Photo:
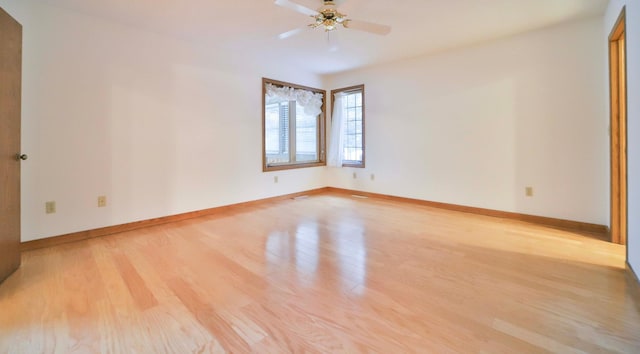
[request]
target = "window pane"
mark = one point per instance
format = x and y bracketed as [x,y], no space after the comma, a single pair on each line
[353,145]
[352,154]
[351,141]
[271,128]
[277,132]
[351,100]
[306,136]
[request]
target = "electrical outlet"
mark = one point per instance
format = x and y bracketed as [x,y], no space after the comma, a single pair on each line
[102,201]
[373,177]
[275,179]
[50,207]
[528,191]
[355,175]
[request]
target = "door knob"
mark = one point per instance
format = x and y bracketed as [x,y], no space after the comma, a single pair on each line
[22,157]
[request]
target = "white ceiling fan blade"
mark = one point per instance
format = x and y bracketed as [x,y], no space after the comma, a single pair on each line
[291,33]
[296,7]
[368,27]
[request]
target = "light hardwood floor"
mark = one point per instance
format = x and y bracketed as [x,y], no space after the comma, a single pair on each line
[328,273]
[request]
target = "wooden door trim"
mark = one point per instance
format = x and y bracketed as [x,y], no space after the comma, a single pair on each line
[618,133]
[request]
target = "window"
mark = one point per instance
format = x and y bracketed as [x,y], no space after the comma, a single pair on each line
[293,126]
[348,121]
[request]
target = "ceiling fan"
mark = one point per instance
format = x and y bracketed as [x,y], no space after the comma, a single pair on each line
[329,18]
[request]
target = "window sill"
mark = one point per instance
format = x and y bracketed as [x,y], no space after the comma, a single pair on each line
[292,166]
[354,165]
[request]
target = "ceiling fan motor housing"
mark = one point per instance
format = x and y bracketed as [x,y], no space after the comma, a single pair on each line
[328,16]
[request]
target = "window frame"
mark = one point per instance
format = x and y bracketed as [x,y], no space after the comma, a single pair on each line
[355,88]
[321,134]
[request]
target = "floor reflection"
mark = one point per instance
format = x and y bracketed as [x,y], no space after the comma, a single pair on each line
[307,250]
[337,254]
[298,250]
[351,251]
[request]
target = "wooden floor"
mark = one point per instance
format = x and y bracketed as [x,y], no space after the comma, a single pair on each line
[327,274]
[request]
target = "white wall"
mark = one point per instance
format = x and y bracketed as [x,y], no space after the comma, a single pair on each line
[150,122]
[475,126]
[157,125]
[633,117]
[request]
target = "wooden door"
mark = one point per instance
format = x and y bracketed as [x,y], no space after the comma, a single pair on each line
[10,87]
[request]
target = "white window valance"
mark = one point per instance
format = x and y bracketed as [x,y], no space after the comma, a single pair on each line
[310,101]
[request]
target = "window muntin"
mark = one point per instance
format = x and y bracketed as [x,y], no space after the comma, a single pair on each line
[293,134]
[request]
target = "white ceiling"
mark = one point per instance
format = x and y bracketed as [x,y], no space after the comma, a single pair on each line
[249,28]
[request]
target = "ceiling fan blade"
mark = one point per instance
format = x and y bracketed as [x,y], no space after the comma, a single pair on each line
[368,27]
[291,33]
[296,7]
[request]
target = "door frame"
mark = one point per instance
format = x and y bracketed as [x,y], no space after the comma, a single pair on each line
[618,128]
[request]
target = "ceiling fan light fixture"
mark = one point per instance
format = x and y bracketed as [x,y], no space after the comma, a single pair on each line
[328,17]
